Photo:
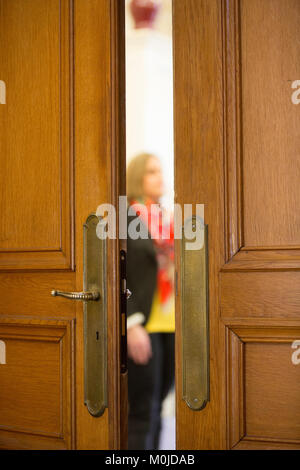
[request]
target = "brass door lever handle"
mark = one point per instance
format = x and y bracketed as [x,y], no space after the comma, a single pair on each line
[84,296]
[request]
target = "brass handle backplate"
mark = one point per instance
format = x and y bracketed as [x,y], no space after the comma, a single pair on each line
[84,296]
[94,298]
[95,315]
[195,318]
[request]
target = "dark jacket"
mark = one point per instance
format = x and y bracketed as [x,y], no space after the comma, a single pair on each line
[141,275]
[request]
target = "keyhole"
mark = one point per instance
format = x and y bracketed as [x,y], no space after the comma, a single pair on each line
[97,335]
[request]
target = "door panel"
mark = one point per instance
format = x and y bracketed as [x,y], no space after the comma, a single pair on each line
[35,400]
[269,62]
[36,125]
[240,133]
[58,155]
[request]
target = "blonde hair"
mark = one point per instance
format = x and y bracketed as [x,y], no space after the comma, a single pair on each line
[135,176]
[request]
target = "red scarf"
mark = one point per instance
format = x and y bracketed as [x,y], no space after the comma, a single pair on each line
[162,235]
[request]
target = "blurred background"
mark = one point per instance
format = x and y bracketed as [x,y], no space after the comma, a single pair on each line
[149,95]
[149,115]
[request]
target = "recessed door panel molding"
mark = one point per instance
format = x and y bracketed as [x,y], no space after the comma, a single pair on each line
[260,295]
[37,354]
[261,145]
[36,167]
[258,394]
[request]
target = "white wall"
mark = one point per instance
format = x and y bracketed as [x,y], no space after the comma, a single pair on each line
[149,96]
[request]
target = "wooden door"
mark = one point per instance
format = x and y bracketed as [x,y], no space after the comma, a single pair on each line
[60,134]
[237,151]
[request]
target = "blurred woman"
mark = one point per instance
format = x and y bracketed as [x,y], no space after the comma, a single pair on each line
[151,313]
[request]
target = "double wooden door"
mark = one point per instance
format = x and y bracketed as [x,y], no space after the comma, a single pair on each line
[62,153]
